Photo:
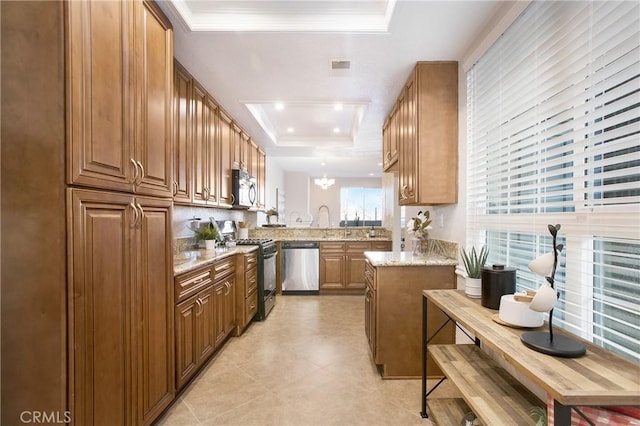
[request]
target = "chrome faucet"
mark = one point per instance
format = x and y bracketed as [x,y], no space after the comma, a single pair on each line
[346,226]
[325,207]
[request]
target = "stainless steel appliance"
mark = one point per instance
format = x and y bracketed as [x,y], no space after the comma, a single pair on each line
[300,267]
[244,189]
[267,251]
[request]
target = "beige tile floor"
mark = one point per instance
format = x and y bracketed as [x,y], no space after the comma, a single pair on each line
[307,364]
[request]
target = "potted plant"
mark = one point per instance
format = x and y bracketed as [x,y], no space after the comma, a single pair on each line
[272,216]
[418,228]
[473,263]
[209,234]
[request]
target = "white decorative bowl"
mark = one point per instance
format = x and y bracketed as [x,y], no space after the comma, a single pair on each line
[518,313]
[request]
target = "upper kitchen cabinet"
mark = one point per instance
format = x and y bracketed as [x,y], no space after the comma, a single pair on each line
[120,57]
[390,143]
[199,135]
[225,147]
[213,160]
[426,117]
[262,178]
[182,149]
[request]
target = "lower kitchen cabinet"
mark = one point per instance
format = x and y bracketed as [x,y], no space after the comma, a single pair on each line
[122,307]
[203,320]
[246,290]
[393,307]
[342,264]
[195,338]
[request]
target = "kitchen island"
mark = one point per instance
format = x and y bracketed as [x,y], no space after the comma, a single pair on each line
[393,303]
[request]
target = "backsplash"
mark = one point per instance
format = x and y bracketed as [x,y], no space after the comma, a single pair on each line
[182,216]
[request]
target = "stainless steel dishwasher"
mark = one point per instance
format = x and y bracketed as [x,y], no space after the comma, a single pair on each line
[300,267]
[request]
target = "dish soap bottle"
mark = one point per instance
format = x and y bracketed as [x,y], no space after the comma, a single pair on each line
[372,232]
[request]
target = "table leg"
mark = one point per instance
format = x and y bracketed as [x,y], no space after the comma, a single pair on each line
[561,414]
[423,413]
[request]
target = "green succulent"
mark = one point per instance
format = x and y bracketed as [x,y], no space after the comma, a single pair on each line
[474,261]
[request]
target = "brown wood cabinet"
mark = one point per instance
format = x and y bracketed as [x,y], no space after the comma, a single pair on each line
[204,315]
[226,159]
[121,295]
[246,294]
[213,152]
[262,179]
[393,321]
[422,133]
[342,264]
[120,73]
[182,149]
[199,136]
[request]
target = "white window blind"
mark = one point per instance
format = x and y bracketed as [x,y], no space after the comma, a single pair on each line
[553,129]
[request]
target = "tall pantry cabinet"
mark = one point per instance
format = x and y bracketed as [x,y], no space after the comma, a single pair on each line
[120,74]
[87,297]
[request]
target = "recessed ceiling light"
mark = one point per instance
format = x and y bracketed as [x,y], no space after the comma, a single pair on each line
[337,107]
[290,129]
[323,164]
[336,130]
[279,106]
[371,174]
[379,164]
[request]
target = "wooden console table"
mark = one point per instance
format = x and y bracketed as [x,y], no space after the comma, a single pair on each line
[599,378]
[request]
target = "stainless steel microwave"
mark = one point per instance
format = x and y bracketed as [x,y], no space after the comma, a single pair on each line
[244,189]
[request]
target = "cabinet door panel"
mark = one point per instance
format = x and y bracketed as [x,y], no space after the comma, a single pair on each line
[100,105]
[103,330]
[331,271]
[182,152]
[206,324]
[226,160]
[199,140]
[154,82]
[213,146]
[219,290]
[355,270]
[186,340]
[229,305]
[156,352]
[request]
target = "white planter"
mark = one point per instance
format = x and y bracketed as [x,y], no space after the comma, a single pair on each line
[210,244]
[473,287]
[272,219]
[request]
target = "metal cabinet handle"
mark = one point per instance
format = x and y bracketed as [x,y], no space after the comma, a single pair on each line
[141,173]
[134,221]
[199,306]
[141,214]
[136,171]
[228,286]
[403,192]
[389,155]
[198,281]
[233,199]
[175,188]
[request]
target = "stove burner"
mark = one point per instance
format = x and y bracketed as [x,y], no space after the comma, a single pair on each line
[253,241]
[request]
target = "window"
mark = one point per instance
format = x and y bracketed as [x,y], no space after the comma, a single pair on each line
[554,137]
[361,206]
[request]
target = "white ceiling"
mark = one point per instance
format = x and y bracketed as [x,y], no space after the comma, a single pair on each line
[248,72]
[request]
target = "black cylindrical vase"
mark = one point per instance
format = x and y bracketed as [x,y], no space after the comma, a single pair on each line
[496,282]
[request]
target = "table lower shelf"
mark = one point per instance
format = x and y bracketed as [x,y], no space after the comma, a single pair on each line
[447,411]
[493,395]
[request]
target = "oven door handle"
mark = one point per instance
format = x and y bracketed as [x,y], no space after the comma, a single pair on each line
[269,256]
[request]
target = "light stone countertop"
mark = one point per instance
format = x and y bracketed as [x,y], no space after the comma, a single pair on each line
[194,259]
[325,239]
[407,258]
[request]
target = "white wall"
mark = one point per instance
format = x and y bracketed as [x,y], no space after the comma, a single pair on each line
[275,185]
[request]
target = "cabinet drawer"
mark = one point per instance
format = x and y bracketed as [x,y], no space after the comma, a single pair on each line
[332,247]
[188,284]
[250,260]
[223,267]
[358,246]
[370,275]
[251,283]
[250,307]
[381,245]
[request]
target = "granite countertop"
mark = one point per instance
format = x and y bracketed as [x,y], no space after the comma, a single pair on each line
[194,259]
[407,258]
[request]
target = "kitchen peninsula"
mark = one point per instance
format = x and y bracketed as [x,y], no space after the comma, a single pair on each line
[394,284]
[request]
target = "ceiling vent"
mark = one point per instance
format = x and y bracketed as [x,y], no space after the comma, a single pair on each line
[340,65]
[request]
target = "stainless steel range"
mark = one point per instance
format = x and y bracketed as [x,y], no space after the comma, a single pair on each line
[267,251]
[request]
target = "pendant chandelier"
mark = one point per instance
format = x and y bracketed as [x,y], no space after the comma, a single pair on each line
[324,183]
